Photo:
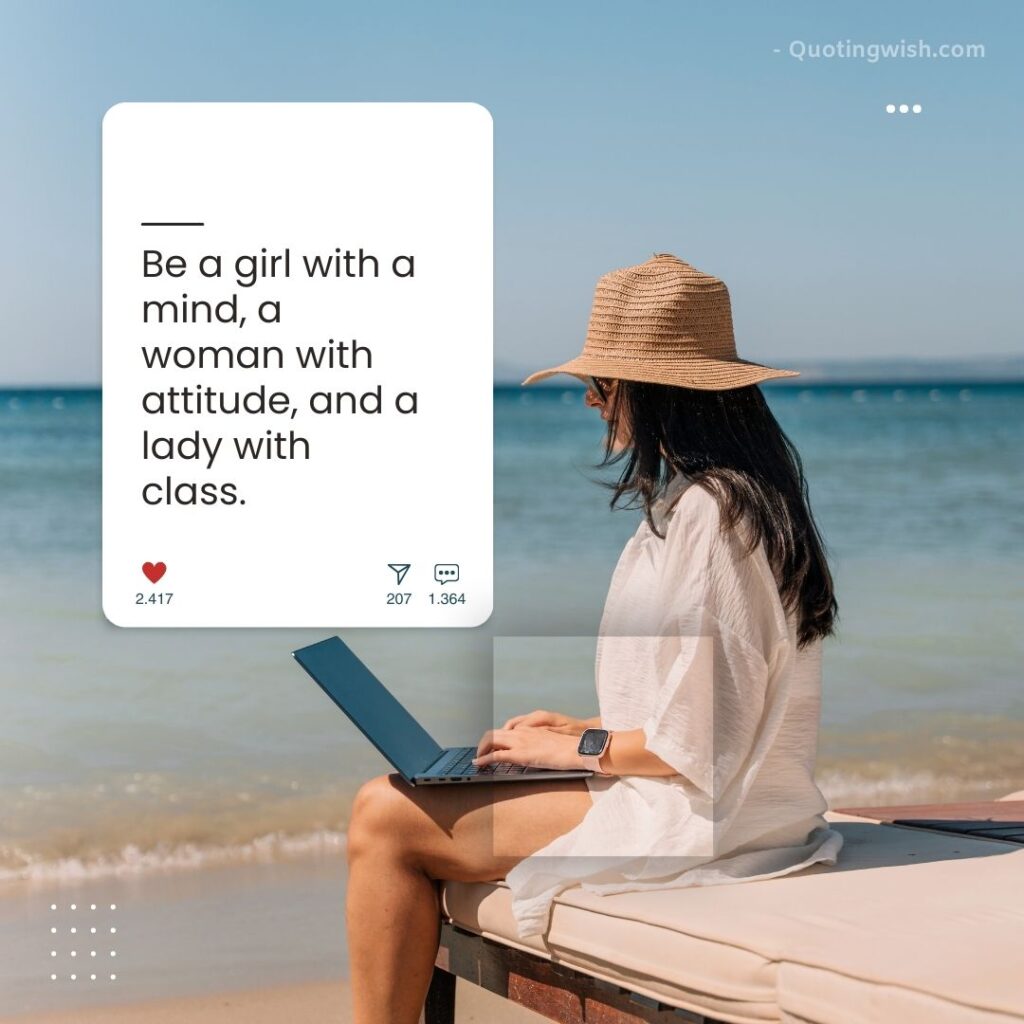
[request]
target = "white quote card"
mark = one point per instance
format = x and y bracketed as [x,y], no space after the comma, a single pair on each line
[297,364]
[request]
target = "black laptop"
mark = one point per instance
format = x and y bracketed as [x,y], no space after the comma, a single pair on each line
[395,733]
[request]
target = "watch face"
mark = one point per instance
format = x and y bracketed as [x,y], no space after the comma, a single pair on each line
[592,742]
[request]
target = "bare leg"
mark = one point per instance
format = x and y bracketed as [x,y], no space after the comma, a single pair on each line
[400,840]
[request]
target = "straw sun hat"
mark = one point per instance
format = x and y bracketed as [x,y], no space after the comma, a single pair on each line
[665,322]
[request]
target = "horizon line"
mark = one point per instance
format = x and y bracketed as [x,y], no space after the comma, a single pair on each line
[785,383]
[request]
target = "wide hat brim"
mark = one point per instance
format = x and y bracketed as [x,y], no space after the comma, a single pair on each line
[703,373]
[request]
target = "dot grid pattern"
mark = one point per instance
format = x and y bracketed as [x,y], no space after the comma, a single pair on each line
[90,919]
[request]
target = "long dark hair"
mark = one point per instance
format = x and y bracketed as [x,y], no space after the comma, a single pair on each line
[729,443]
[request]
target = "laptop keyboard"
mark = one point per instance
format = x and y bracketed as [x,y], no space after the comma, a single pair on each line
[460,763]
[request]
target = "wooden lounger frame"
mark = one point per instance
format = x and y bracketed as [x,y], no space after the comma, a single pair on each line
[553,990]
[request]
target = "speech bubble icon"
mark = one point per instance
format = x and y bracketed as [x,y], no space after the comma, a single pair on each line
[446,572]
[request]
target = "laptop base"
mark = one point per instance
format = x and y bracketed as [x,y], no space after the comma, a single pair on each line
[454,765]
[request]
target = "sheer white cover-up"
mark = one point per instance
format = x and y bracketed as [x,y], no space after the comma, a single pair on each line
[695,649]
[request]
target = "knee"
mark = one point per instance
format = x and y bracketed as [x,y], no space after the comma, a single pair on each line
[379,808]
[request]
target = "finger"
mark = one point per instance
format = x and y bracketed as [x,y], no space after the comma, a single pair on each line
[500,750]
[494,739]
[495,757]
[531,718]
[486,742]
[499,757]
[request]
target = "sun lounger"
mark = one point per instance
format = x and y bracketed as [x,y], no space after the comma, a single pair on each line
[912,925]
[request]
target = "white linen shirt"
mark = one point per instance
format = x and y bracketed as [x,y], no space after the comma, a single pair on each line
[695,649]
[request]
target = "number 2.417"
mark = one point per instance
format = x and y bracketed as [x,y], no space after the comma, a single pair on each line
[154,598]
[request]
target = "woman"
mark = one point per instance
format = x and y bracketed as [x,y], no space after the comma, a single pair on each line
[708,666]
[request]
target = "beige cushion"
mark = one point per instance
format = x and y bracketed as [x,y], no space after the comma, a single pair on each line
[910,925]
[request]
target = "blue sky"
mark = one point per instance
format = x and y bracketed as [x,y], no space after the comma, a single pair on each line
[620,130]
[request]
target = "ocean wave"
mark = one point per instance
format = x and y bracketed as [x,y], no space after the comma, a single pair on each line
[134,860]
[850,788]
[841,787]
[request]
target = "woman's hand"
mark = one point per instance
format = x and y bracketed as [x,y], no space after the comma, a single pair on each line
[537,746]
[550,720]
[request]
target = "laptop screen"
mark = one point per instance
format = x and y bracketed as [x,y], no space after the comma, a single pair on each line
[379,716]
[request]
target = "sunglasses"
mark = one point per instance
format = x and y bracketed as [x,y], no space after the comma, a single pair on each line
[603,386]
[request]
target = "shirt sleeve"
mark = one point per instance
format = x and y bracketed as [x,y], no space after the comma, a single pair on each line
[721,631]
[710,704]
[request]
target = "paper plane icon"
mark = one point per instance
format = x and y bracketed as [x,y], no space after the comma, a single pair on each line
[399,569]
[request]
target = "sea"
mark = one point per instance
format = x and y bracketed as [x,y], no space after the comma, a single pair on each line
[129,750]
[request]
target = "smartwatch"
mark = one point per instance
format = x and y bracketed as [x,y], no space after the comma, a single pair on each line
[593,743]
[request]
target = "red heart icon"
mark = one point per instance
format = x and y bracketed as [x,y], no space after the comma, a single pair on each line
[154,572]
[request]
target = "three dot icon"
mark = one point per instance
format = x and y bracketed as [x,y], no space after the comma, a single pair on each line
[74,930]
[903,108]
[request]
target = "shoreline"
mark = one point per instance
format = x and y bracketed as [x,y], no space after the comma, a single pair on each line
[840,786]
